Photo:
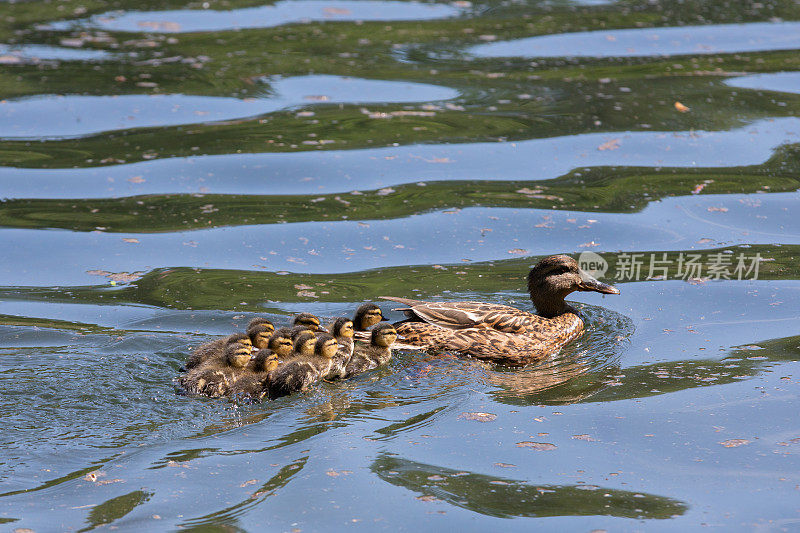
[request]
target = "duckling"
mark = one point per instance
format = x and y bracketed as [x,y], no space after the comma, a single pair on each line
[281,344]
[501,333]
[304,344]
[342,330]
[260,334]
[213,378]
[259,320]
[377,353]
[300,373]
[214,350]
[367,315]
[309,320]
[297,330]
[252,382]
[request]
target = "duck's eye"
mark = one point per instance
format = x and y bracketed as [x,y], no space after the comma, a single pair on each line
[560,270]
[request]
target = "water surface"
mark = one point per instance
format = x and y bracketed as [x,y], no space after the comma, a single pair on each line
[690,40]
[171,171]
[282,12]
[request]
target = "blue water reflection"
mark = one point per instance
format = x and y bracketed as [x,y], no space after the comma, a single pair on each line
[11,54]
[473,234]
[76,115]
[333,171]
[671,41]
[783,82]
[283,12]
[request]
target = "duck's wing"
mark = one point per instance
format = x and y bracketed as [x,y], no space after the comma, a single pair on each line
[460,315]
[490,344]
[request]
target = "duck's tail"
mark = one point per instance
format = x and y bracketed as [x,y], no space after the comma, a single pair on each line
[404,301]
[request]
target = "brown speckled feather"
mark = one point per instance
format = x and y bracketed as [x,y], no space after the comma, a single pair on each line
[493,345]
[460,315]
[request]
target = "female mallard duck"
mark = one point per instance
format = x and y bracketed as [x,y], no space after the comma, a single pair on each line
[214,378]
[301,372]
[501,333]
[342,330]
[377,353]
[310,321]
[367,315]
[215,350]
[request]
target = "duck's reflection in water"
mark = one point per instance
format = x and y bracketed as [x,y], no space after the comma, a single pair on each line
[508,498]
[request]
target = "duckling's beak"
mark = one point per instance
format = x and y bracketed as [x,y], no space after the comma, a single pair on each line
[588,283]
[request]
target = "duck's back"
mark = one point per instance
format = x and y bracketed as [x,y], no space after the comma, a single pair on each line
[549,335]
[206,351]
[296,375]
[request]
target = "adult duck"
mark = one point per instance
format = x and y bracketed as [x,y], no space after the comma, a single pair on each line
[500,333]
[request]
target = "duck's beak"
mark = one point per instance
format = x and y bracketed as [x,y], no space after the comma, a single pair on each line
[588,283]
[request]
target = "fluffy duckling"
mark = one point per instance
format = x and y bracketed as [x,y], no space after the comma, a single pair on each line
[297,330]
[259,320]
[367,315]
[215,350]
[310,321]
[213,378]
[300,373]
[260,334]
[304,344]
[342,330]
[377,353]
[253,381]
[281,344]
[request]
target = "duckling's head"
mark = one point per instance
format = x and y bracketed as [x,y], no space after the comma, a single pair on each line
[287,332]
[297,330]
[259,320]
[367,315]
[554,277]
[237,354]
[281,343]
[342,327]
[308,320]
[240,338]
[326,346]
[383,335]
[271,363]
[304,345]
[266,361]
[260,334]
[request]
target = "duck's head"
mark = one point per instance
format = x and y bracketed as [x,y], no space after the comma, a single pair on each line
[342,327]
[304,344]
[237,354]
[554,277]
[266,361]
[326,346]
[281,343]
[308,320]
[260,334]
[296,331]
[240,338]
[383,335]
[260,320]
[367,315]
